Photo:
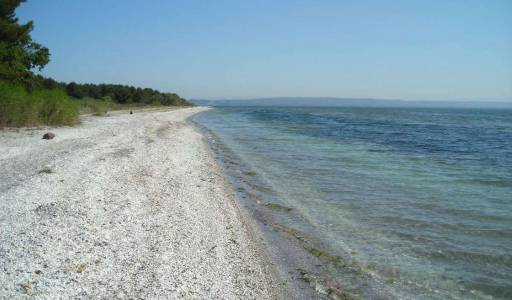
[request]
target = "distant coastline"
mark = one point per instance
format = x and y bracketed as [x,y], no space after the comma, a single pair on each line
[352,102]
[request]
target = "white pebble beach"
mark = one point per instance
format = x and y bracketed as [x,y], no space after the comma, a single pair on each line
[124,206]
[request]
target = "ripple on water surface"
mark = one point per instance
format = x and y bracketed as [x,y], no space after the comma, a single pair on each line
[412,203]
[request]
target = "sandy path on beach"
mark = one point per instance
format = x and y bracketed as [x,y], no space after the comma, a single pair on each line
[124,206]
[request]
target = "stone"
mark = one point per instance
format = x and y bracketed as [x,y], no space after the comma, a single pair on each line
[48,136]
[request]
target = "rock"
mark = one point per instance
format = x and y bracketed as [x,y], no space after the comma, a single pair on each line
[131,112]
[48,136]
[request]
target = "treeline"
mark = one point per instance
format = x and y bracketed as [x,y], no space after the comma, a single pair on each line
[27,99]
[122,94]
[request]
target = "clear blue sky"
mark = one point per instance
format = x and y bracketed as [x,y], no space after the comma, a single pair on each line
[245,49]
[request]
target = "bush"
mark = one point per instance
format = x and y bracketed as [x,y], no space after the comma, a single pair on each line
[97,107]
[19,107]
[156,103]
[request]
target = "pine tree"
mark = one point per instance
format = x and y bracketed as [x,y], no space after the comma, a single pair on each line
[19,54]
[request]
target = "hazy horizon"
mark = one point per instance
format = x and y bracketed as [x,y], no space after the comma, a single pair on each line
[506,100]
[352,102]
[458,50]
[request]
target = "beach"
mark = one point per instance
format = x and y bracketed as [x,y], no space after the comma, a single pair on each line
[124,206]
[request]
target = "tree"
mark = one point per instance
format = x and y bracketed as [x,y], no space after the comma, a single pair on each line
[76,90]
[19,54]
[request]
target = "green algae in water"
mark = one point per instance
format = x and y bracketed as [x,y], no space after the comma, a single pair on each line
[323,287]
[326,256]
[275,206]
[290,231]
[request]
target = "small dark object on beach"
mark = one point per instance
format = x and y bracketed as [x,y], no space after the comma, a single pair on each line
[131,112]
[45,170]
[48,136]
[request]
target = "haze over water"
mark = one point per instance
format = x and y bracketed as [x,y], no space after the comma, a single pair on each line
[422,198]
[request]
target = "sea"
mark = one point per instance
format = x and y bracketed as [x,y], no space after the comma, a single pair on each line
[395,203]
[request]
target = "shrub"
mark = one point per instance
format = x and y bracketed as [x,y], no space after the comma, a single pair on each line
[97,107]
[156,103]
[19,107]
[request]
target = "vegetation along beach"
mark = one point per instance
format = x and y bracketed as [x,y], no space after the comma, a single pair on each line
[256,149]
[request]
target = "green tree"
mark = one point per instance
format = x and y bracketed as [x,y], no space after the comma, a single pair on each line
[76,90]
[19,54]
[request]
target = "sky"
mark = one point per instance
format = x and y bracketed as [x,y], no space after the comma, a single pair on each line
[410,49]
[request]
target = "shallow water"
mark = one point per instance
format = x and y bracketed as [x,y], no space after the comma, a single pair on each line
[420,200]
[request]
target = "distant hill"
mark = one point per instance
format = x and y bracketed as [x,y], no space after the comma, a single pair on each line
[352,102]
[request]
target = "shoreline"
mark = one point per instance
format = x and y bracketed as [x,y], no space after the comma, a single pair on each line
[302,261]
[307,180]
[125,206]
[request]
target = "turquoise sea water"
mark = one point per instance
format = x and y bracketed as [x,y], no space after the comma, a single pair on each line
[419,199]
